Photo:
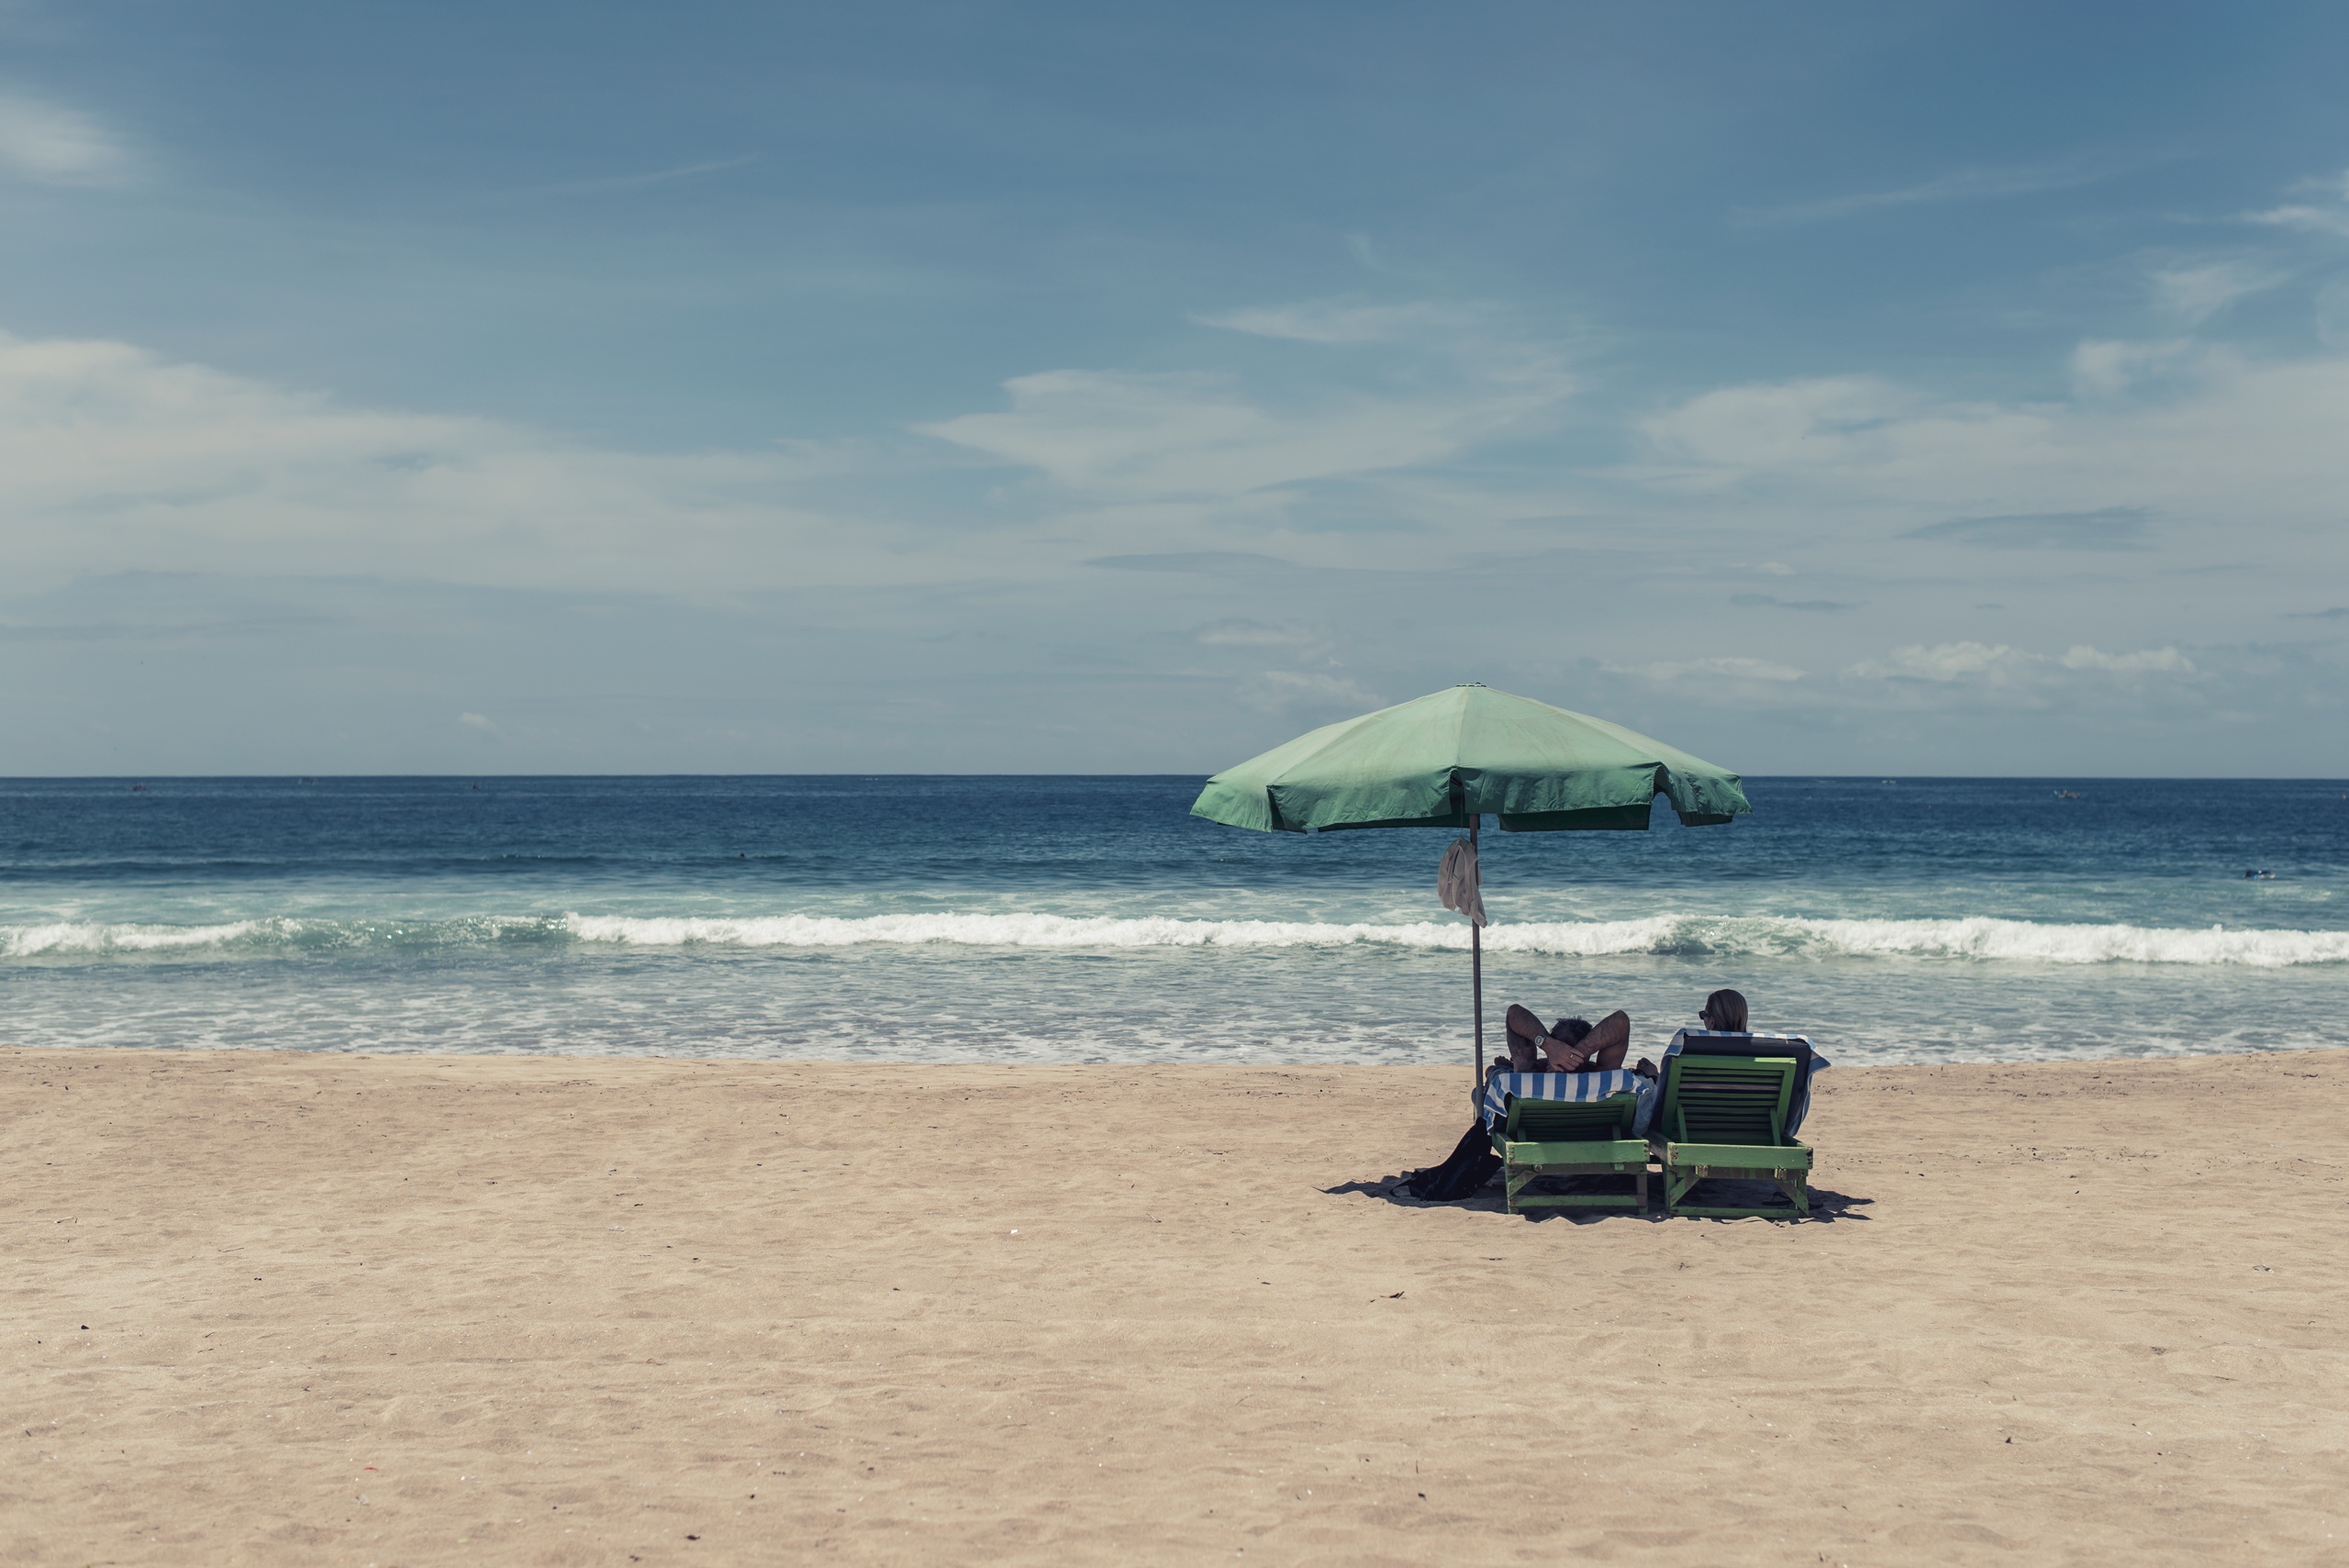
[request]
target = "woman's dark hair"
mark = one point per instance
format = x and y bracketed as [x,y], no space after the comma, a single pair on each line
[1726,1010]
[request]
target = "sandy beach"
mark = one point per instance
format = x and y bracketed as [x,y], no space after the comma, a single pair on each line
[280,1307]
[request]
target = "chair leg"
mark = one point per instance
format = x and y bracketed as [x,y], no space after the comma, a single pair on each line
[1798,1190]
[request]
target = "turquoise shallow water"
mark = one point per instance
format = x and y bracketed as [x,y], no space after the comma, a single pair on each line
[1093,918]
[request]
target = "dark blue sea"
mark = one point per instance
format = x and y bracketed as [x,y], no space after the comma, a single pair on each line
[1094,919]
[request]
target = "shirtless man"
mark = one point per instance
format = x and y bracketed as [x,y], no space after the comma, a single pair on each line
[1572,1045]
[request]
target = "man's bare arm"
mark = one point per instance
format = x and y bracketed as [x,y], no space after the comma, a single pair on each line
[1603,1045]
[1607,1044]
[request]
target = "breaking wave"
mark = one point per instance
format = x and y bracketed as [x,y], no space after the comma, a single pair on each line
[1663,935]
[76,937]
[90,939]
[1975,939]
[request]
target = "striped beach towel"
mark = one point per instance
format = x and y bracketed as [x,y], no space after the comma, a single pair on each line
[1581,1087]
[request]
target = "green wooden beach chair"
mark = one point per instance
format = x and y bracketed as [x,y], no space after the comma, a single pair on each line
[1726,1116]
[1564,1137]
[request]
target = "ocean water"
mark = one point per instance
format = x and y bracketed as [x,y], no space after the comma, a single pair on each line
[1094,919]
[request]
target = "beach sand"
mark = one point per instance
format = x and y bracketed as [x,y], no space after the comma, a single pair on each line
[270,1307]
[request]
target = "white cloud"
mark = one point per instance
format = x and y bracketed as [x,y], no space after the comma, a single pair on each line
[2001,668]
[111,459]
[479,721]
[1950,661]
[2163,661]
[55,146]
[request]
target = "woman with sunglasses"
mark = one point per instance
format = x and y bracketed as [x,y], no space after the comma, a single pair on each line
[1724,1011]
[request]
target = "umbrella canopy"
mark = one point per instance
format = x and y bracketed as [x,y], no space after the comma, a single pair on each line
[1444,760]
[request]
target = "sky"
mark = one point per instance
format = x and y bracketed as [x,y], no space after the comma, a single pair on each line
[504,387]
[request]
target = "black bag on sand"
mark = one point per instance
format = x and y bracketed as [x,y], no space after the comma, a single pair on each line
[1472,1164]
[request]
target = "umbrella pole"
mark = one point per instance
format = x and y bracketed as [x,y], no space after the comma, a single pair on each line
[1476,966]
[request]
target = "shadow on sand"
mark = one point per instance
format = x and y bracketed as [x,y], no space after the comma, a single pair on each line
[1826,1206]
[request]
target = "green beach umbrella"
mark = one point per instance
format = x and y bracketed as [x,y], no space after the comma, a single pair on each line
[1448,759]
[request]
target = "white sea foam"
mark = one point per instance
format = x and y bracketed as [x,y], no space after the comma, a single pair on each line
[76,936]
[1976,938]
[72,939]
[1021,930]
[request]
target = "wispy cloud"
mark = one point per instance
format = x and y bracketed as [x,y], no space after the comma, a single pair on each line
[604,184]
[1771,601]
[1237,632]
[1774,424]
[52,145]
[2332,314]
[2110,367]
[1721,669]
[1170,436]
[1207,562]
[1339,322]
[2309,219]
[2256,443]
[2198,291]
[1963,185]
[1290,691]
[2108,528]
[1428,382]
[111,458]
[128,630]
[2329,215]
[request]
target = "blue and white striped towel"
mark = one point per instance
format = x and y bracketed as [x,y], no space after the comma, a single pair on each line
[1580,1087]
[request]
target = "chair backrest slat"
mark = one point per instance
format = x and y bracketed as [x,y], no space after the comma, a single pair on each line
[1728,1099]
